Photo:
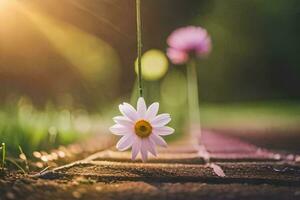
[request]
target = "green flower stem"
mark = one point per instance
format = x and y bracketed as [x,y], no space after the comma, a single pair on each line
[139,46]
[193,99]
[25,160]
[3,155]
[134,93]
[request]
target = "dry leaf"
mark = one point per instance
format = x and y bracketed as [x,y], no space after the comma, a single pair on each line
[217,169]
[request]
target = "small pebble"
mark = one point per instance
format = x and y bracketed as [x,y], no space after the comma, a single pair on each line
[290,157]
[75,183]
[99,188]
[10,195]
[277,156]
[76,194]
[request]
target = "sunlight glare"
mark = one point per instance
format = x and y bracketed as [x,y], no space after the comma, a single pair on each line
[93,58]
[4,4]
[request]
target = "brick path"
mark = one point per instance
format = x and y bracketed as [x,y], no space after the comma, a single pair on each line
[179,172]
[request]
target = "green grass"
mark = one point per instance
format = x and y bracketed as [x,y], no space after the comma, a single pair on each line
[275,114]
[31,129]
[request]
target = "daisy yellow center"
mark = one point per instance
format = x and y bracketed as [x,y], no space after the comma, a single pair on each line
[143,128]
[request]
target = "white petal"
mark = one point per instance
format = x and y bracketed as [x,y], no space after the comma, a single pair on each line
[165,130]
[158,140]
[128,111]
[144,152]
[118,129]
[152,111]
[150,146]
[123,121]
[161,120]
[141,107]
[136,146]
[125,142]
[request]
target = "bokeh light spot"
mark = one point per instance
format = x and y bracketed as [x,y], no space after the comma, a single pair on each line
[154,65]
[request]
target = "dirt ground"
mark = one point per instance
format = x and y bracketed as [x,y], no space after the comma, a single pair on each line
[180,172]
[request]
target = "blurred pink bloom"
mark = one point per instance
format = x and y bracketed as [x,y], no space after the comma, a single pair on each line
[186,41]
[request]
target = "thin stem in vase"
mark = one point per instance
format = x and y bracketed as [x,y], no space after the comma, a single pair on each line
[193,101]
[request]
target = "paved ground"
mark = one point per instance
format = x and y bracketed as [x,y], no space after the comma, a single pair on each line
[236,170]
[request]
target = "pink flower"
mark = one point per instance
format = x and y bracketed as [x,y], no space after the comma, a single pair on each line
[188,41]
[141,129]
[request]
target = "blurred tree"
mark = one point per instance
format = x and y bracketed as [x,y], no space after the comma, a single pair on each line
[255,51]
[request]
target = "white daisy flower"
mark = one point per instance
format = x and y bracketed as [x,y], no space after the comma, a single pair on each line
[141,129]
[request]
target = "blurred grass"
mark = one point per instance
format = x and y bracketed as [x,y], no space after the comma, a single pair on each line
[253,115]
[23,125]
[33,129]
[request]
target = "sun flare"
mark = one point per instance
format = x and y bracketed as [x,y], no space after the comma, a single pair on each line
[4,4]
